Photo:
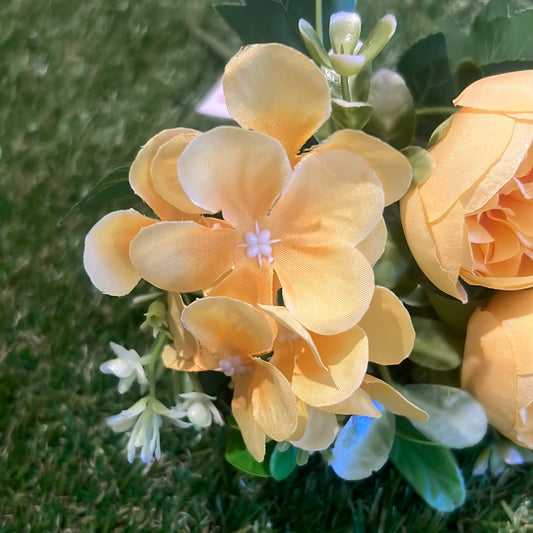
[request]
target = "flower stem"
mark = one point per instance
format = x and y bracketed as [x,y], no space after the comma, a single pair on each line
[345,89]
[318,19]
[155,353]
[438,110]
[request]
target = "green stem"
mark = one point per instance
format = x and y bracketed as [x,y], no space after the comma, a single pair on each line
[438,110]
[345,89]
[318,19]
[155,353]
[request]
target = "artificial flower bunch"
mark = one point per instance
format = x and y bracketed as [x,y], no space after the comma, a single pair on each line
[280,262]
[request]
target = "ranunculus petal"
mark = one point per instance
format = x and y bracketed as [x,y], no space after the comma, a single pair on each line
[471,146]
[391,167]
[141,174]
[106,257]
[509,92]
[241,407]
[327,288]
[345,357]
[228,327]
[274,403]
[503,170]
[391,399]
[235,171]
[278,91]
[422,246]
[165,172]
[394,346]
[333,196]
[180,257]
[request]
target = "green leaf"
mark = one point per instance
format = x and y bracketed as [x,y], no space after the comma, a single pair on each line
[456,419]
[240,457]
[431,470]
[421,163]
[267,21]
[452,312]
[114,185]
[379,37]
[494,36]
[436,346]
[426,72]
[393,119]
[363,445]
[353,115]
[283,462]
[313,43]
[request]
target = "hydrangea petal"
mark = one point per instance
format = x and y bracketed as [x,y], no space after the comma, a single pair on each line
[391,399]
[227,326]
[359,403]
[345,357]
[509,92]
[178,256]
[333,196]
[238,172]
[327,288]
[320,432]
[241,407]
[274,403]
[396,345]
[391,166]
[141,174]
[278,91]
[106,256]
[165,172]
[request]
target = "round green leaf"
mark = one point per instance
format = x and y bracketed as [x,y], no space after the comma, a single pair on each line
[436,346]
[283,462]
[456,419]
[363,445]
[431,470]
[238,456]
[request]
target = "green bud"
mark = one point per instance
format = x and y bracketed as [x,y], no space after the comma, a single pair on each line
[347,65]
[421,163]
[344,32]
[379,37]
[156,317]
[394,118]
[313,43]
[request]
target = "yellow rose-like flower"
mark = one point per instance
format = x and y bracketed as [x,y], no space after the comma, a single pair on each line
[472,217]
[498,363]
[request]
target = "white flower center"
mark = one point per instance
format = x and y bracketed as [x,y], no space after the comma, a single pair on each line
[233,364]
[259,244]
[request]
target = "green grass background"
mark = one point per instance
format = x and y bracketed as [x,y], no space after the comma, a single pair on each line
[82,86]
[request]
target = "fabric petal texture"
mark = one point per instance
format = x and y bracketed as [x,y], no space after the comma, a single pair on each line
[106,257]
[277,91]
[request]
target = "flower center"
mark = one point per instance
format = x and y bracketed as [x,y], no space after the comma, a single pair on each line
[233,364]
[259,244]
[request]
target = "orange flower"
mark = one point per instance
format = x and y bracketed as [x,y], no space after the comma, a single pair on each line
[498,363]
[233,336]
[472,217]
[154,177]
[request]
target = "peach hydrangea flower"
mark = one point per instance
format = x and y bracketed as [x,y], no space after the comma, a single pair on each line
[328,373]
[233,336]
[278,92]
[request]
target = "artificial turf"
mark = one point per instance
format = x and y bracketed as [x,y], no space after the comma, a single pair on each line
[82,86]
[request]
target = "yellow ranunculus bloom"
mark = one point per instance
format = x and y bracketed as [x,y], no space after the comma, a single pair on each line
[471,218]
[498,363]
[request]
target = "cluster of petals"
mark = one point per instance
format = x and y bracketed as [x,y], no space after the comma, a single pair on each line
[243,212]
[290,382]
[471,218]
